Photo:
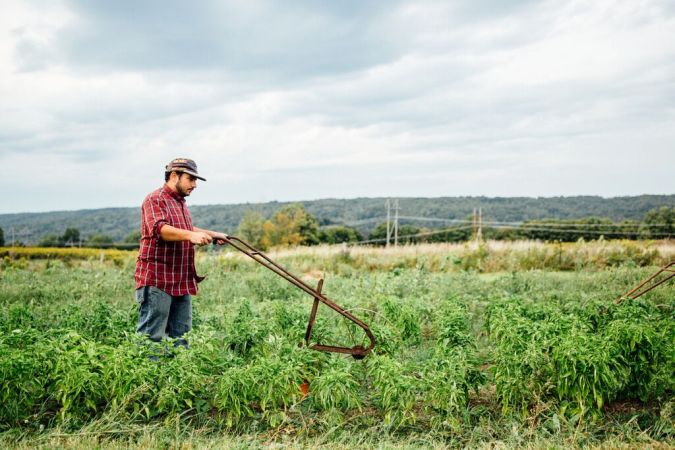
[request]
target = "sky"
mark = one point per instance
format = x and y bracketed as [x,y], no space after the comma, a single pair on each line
[301,100]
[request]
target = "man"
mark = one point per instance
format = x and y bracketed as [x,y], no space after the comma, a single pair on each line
[165,270]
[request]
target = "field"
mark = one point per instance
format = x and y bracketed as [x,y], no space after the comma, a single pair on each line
[499,345]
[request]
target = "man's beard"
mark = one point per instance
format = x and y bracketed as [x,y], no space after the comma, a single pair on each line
[181,190]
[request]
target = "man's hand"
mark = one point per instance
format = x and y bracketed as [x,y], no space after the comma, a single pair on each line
[219,238]
[200,238]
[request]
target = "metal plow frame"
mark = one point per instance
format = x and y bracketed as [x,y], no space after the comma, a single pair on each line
[358,351]
[650,283]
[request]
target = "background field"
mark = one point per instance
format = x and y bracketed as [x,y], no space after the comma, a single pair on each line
[493,345]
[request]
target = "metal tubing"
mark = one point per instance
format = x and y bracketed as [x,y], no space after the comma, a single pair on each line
[262,259]
[312,315]
[643,287]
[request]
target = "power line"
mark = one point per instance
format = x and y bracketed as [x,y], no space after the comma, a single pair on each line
[362,221]
[434,219]
[566,224]
[497,222]
[426,233]
[580,224]
[468,227]
[575,230]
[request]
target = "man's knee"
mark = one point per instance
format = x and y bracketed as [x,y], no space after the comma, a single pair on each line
[153,314]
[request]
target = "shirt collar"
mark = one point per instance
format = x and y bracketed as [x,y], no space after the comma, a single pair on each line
[169,191]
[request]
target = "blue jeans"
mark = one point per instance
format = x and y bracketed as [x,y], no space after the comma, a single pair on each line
[161,314]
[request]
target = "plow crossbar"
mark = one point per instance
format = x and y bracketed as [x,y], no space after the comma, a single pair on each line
[357,351]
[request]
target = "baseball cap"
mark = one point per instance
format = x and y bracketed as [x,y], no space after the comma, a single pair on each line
[183,165]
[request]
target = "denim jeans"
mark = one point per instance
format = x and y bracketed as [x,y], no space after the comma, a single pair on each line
[161,314]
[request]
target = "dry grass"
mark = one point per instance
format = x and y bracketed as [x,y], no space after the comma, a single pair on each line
[64,253]
[490,256]
[665,248]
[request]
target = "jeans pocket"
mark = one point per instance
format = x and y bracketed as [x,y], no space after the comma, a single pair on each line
[142,295]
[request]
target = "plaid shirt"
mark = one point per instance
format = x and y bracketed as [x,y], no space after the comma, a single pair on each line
[169,266]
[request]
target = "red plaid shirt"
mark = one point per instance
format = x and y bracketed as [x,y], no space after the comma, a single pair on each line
[169,266]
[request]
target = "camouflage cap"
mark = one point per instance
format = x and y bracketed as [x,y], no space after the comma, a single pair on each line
[183,165]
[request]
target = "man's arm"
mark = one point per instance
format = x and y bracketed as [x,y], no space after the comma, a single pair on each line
[218,237]
[197,236]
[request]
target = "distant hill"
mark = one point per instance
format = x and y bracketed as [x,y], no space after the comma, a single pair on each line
[362,213]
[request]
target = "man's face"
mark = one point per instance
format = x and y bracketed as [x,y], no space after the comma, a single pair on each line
[186,184]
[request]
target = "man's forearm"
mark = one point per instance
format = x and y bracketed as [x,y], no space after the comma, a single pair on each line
[169,233]
[196,236]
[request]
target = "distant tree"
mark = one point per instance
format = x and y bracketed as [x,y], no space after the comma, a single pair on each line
[570,230]
[379,233]
[133,238]
[2,238]
[70,237]
[101,240]
[630,229]
[289,226]
[406,234]
[49,240]
[456,234]
[338,234]
[659,223]
[308,225]
[251,228]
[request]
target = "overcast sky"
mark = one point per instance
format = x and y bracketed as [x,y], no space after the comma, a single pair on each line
[299,100]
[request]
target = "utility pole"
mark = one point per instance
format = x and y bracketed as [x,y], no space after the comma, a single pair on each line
[392,228]
[387,204]
[477,224]
[479,235]
[474,223]
[396,209]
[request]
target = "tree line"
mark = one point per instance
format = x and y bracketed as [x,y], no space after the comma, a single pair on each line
[362,214]
[72,237]
[293,225]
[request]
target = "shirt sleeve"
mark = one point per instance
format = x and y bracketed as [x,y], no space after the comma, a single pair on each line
[154,216]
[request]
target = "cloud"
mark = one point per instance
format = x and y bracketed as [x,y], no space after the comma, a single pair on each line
[300,99]
[268,40]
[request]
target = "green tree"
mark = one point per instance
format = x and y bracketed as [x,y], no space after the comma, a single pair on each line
[99,240]
[2,238]
[289,226]
[70,237]
[571,230]
[659,223]
[49,240]
[133,238]
[459,234]
[337,234]
[251,228]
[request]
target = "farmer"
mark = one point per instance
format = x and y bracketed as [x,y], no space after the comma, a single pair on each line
[165,270]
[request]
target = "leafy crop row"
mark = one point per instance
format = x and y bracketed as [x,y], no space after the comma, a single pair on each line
[75,363]
[582,356]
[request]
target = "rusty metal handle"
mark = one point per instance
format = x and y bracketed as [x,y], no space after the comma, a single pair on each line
[357,351]
[645,285]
